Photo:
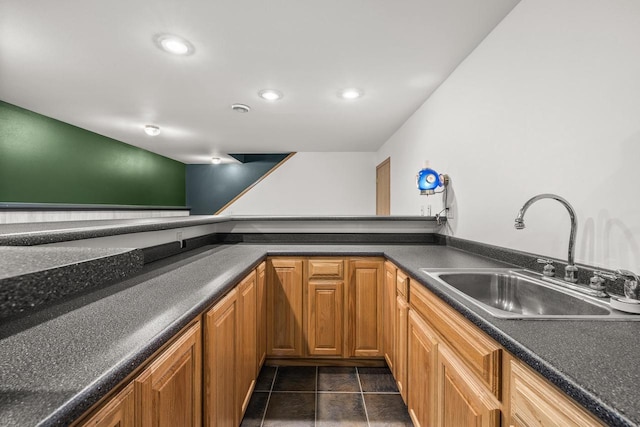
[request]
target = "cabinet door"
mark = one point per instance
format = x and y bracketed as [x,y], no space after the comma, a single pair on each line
[462,400]
[168,391]
[261,316]
[401,346]
[247,341]
[535,403]
[119,412]
[220,360]
[284,307]
[389,314]
[324,318]
[482,355]
[365,307]
[421,358]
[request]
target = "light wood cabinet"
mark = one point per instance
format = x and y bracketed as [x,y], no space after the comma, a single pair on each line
[442,391]
[324,318]
[401,345]
[449,372]
[464,369]
[261,315]
[482,355]
[168,392]
[462,400]
[118,412]
[221,362]
[247,334]
[422,357]
[389,314]
[365,307]
[284,307]
[535,402]
[324,307]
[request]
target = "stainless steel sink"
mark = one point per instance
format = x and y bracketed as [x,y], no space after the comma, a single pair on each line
[521,294]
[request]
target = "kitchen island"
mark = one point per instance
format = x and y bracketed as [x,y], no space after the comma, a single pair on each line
[58,362]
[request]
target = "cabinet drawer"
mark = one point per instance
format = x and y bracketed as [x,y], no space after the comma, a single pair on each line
[326,269]
[481,354]
[402,283]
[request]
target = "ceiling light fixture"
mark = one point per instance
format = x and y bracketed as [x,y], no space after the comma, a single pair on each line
[270,94]
[240,108]
[351,93]
[152,130]
[216,160]
[174,44]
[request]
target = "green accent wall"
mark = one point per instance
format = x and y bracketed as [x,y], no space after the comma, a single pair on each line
[43,160]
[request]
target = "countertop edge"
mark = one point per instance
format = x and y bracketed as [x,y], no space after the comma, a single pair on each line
[94,229]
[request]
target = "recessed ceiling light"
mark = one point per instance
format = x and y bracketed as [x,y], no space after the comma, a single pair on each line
[270,94]
[174,44]
[215,160]
[240,108]
[151,130]
[351,93]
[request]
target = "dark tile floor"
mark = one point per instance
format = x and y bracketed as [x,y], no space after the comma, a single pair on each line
[326,396]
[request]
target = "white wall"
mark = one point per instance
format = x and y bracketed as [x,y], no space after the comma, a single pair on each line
[314,184]
[548,102]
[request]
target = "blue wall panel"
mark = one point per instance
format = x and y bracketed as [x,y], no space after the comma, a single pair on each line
[210,187]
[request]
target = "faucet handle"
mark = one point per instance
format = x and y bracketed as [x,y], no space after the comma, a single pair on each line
[631,287]
[598,279]
[549,270]
[627,274]
[605,275]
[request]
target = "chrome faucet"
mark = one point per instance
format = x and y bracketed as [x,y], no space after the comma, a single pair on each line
[571,271]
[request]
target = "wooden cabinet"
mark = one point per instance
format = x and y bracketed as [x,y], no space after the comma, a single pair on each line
[442,391]
[464,367]
[118,412]
[482,355]
[221,362]
[261,315]
[231,353]
[449,372]
[535,402]
[247,335]
[168,392]
[389,314]
[365,307]
[401,345]
[422,353]
[462,400]
[324,307]
[284,307]
[324,319]
[315,309]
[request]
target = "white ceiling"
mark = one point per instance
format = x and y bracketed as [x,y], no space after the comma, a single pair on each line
[94,64]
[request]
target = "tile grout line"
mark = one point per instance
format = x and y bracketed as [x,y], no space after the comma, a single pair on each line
[364,404]
[315,412]
[273,381]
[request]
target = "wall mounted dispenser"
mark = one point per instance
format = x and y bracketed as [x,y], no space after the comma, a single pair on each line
[428,180]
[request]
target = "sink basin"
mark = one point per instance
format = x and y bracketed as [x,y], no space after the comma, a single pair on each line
[521,294]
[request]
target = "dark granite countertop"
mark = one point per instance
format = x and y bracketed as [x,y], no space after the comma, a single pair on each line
[32,276]
[38,233]
[55,365]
